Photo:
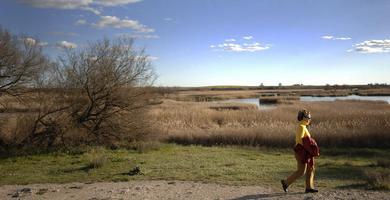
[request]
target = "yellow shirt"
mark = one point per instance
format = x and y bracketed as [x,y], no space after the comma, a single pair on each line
[301,132]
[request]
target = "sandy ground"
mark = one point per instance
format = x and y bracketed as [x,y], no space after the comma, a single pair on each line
[170,190]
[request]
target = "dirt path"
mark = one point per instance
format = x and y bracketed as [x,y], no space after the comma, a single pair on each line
[170,190]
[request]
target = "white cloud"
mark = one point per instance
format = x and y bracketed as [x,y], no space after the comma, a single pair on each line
[66,45]
[113,21]
[62,4]
[235,47]
[115,2]
[168,19]
[153,58]
[30,41]
[230,40]
[372,46]
[247,37]
[148,58]
[331,37]
[87,5]
[137,36]
[95,11]
[327,37]
[42,44]
[342,38]
[81,22]
[59,4]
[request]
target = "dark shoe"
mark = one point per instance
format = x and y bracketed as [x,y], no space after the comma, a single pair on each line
[284,185]
[311,190]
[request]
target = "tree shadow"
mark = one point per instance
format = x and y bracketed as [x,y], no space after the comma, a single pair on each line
[334,172]
[132,172]
[86,168]
[339,172]
[360,186]
[263,196]
[354,152]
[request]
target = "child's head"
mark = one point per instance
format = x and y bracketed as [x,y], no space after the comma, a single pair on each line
[304,115]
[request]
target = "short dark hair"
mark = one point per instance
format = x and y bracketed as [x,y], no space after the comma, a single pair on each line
[302,114]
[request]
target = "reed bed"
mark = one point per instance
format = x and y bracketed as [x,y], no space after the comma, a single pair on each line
[334,124]
[212,94]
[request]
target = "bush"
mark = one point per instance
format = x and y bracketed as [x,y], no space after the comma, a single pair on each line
[108,82]
[96,96]
[97,157]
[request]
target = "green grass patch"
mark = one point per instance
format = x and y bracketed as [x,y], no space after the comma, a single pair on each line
[227,165]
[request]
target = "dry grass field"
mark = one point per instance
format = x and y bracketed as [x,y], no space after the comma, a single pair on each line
[334,124]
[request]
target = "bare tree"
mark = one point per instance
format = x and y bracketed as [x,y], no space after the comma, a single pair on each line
[108,83]
[21,60]
[22,63]
[99,94]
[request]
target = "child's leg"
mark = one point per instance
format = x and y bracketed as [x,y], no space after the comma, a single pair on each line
[310,177]
[301,167]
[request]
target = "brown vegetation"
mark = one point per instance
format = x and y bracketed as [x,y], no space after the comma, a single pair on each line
[97,157]
[96,95]
[335,124]
[22,65]
[278,99]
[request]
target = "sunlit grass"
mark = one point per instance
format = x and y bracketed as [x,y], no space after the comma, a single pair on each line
[227,165]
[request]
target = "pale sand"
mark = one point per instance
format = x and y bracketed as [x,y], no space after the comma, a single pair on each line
[172,190]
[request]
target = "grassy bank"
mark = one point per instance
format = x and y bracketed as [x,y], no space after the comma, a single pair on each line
[228,165]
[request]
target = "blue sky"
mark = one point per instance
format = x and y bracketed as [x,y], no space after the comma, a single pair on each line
[224,42]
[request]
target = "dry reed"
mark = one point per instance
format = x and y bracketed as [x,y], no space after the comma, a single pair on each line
[335,124]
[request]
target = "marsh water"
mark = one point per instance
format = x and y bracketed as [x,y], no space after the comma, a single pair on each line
[312,98]
[253,101]
[350,97]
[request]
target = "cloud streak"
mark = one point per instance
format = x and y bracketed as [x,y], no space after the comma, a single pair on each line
[87,5]
[331,37]
[62,4]
[31,41]
[66,45]
[115,22]
[372,46]
[231,45]
[81,22]
[115,2]
[138,36]
[230,40]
